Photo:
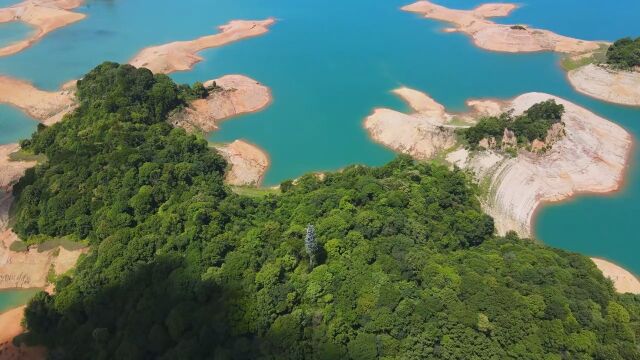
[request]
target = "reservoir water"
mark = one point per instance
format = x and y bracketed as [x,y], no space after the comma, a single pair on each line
[329,63]
[13,298]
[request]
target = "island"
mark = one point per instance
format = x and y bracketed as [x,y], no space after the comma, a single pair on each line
[183,55]
[518,166]
[44,15]
[489,35]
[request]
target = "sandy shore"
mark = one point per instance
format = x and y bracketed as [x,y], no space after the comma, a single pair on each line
[24,269]
[48,107]
[618,87]
[248,163]
[183,55]
[44,16]
[498,37]
[591,157]
[623,280]
[10,327]
[237,95]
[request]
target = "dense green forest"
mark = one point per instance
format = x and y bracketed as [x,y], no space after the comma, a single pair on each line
[393,262]
[624,53]
[533,124]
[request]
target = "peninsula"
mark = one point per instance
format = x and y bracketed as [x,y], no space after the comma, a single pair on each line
[44,16]
[611,74]
[587,154]
[183,55]
[47,107]
[498,37]
[230,96]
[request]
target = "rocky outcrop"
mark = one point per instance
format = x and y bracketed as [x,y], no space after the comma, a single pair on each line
[498,37]
[248,163]
[588,155]
[421,134]
[233,95]
[44,15]
[183,55]
[614,86]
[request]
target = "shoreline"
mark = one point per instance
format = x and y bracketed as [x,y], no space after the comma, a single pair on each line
[11,327]
[251,166]
[577,86]
[622,185]
[624,281]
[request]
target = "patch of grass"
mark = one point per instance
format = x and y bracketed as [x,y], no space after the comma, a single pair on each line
[67,244]
[599,56]
[23,155]
[254,191]
[19,246]
[458,121]
[441,157]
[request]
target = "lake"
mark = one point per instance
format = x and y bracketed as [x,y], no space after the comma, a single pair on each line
[330,63]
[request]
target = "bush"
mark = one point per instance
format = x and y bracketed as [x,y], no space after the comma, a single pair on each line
[624,53]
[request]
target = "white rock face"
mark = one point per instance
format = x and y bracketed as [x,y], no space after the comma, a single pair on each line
[590,157]
[413,135]
[618,87]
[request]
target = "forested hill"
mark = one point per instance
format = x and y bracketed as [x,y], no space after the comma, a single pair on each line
[395,262]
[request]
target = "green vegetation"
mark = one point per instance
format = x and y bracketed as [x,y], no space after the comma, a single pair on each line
[254,191]
[572,62]
[624,53]
[405,263]
[18,246]
[22,155]
[533,124]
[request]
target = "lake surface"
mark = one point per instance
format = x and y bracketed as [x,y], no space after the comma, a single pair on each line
[329,63]
[10,299]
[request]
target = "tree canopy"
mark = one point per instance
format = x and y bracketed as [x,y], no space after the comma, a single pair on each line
[533,124]
[624,53]
[406,264]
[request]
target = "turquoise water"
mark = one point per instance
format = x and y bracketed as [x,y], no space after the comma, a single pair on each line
[330,63]
[13,32]
[10,299]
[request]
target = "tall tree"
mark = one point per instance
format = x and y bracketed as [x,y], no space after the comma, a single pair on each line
[311,245]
